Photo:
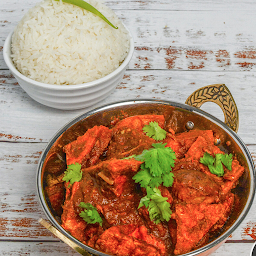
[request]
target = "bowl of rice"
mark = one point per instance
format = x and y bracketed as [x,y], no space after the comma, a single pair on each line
[66,57]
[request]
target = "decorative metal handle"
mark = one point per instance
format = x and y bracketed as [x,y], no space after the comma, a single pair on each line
[66,240]
[219,94]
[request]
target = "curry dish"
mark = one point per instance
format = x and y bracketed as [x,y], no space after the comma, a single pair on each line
[195,205]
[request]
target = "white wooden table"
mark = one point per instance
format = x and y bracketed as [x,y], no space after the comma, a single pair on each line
[180,45]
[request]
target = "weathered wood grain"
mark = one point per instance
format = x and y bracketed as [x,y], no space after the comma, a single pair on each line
[180,40]
[177,5]
[180,46]
[36,249]
[19,205]
[38,123]
[59,248]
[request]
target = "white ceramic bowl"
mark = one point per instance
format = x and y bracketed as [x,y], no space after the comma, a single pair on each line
[68,97]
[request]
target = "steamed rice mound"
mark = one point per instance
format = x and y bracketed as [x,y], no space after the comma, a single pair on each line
[60,43]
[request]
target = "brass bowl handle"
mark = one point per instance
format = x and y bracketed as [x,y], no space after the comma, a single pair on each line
[219,94]
[66,240]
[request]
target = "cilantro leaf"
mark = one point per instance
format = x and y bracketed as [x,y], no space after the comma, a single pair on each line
[156,182]
[144,201]
[158,159]
[218,165]
[156,170]
[156,167]
[152,162]
[73,173]
[158,207]
[207,159]
[90,214]
[168,179]
[167,156]
[154,131]
[215,165]
[227,160]
[143,177]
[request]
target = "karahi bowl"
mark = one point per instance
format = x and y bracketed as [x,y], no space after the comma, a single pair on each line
[229,142]
[68,97]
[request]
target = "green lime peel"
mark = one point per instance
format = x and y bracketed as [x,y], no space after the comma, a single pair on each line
[89,8]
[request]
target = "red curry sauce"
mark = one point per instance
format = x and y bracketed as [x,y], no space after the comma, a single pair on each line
[201,202]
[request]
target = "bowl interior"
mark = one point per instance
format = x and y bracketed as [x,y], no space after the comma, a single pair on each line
[104,115]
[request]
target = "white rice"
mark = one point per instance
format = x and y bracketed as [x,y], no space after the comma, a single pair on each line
[60,43]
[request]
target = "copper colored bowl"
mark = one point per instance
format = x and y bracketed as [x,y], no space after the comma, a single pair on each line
[190,113]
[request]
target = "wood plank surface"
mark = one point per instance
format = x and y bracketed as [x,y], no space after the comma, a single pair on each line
[180,46]
[59,248]
[157,5]
[136,84]
[178,40]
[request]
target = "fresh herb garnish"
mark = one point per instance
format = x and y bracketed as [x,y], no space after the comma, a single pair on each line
[89,8]
[156,170]
[156,167]
[158,207]
[73,174]
[215,164]
[227,161]
[90,214]
[154,131]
